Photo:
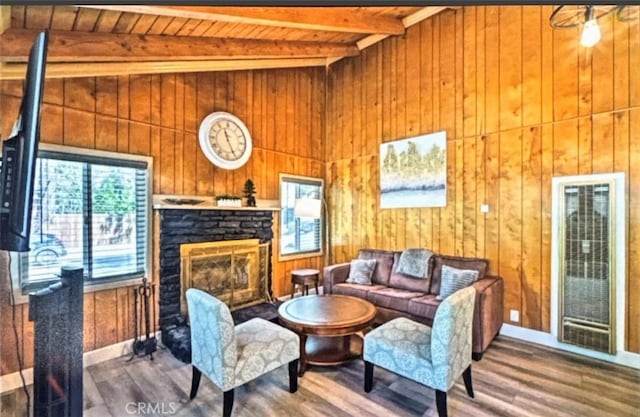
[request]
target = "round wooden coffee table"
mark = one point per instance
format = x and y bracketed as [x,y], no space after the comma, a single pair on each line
[327,326]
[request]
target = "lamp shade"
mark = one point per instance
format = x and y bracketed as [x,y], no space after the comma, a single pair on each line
[308,208]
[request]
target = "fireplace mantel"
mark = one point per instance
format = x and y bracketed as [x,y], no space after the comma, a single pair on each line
[160,202]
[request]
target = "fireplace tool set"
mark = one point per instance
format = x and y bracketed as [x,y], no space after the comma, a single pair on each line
[144,300]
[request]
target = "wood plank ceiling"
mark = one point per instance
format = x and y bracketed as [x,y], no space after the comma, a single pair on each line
[114,40]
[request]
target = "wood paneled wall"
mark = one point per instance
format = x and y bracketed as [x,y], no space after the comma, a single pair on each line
[159,115]
[520,103]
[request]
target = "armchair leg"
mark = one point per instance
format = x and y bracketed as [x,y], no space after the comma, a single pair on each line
[441,403]
[293,376]
[227,403]
[466,375]
[195,382]
[368,376]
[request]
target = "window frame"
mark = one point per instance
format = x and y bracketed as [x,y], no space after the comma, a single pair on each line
[300,179]
[21,290]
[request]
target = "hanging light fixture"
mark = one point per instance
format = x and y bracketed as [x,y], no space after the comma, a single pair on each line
[586,16]
[628,13]
[590,31]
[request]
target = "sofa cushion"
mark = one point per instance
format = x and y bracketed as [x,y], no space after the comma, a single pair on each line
[424,306]
[393,298]
[361,271]
[454,279]
[355,290]
[383,267]
[398,280]
[458,262]
[413,262]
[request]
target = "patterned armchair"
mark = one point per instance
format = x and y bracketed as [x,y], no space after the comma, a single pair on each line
[435,356]
[232,355]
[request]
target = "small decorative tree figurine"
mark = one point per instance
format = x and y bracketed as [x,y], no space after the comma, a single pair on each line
[249,191]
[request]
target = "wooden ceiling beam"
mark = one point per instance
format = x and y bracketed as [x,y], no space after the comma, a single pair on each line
[108,69]
[332,19]
[408,21]
[5,18]
[109,47]
[422,14]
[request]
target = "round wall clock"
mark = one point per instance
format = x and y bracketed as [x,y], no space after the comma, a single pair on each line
[225,140]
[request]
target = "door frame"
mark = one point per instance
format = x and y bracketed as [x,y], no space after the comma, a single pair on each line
[619,194]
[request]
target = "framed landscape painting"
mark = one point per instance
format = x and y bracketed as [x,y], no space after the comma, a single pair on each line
[413,172]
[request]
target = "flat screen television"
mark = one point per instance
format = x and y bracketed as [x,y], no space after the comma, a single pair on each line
[19,153]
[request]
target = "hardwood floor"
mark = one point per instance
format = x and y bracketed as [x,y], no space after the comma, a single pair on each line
[513,379]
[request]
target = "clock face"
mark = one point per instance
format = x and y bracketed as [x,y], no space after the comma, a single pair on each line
[225,140]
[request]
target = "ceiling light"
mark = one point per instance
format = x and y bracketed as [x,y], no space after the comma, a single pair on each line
[591,31]
[586,17]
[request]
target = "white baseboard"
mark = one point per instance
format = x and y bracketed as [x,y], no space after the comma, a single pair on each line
[9,382]
[622,357]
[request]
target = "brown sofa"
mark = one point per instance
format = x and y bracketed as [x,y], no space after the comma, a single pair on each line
[397,295]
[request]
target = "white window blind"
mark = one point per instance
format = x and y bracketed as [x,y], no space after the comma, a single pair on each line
[88,210]
[299,236]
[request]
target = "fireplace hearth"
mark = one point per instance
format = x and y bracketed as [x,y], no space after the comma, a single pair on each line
[189,226]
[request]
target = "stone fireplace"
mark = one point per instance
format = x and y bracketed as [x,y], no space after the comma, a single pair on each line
[188,225]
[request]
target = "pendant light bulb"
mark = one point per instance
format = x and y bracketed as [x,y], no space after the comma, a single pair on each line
[590,33]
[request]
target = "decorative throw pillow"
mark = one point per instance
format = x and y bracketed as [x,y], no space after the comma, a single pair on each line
[455,279]
[414,262]
[361,271]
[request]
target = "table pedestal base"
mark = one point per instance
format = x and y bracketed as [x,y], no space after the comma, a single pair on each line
[329,350]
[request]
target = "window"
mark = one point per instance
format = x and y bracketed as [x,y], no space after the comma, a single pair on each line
[90,208]
[300,236]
